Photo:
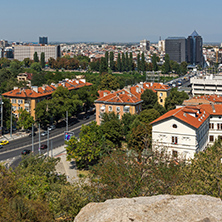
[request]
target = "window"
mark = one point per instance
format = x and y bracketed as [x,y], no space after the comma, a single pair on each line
[110,108]
[19,108]
[211,138]
[161,100]
[219,126]
[13,100]
[174,139]
[219,117]
[211,125]
[126,109]
[161,94]
[117,109]
[174,126]
[175,153]
[13,108]
[20,101]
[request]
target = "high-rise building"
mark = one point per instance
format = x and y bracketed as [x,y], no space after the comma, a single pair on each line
[195,49]
[43,40]
[145,45]
[27,51]
[176,48]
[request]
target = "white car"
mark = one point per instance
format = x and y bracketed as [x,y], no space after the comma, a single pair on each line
[45,133]
[52,127]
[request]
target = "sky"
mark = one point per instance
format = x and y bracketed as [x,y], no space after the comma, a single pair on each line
[109,20]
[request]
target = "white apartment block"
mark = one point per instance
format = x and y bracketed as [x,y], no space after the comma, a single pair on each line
[22,51]
[206,85]
[183,131]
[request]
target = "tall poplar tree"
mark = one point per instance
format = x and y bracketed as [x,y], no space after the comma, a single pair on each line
[131,62]
[42,60]
[107,58]
[138,62]
[36,58]
[111,61]
[142,65]
[123,62]
[127,62]
[119,65]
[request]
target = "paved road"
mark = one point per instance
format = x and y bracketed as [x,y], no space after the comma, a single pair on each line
[14,148]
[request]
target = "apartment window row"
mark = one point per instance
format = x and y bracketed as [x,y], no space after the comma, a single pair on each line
[219,126]
[211,138]
[20,101]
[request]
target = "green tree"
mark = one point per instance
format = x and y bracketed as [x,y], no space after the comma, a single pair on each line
[149,99]
[138,62]
[109,82]
[36,66]
[175,98]
[88,149]
[143,65]
[127,120]
[107,58]
[25,120]
[15,67]
[131,67]
[183,66]
[42,60]
[112,64]
[166,66]
[154,62]
[123,62]
[127,62]
[103,65]
[159,108]
[119,63]
[35,56]
[27,62]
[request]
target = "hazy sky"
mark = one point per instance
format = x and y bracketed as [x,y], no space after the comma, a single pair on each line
[109,20]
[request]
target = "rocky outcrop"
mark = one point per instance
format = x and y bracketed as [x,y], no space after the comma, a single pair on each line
[192,208]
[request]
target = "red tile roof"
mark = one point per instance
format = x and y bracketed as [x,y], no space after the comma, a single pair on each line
[103,93]
[213,109]
[45,90]
[121,96]
[192,115]
[213,98]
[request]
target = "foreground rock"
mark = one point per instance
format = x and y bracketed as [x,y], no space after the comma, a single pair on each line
[192,208]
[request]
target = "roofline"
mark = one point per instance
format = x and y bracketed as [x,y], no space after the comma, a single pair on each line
[115,103]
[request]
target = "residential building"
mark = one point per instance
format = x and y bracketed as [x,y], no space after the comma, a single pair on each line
[25,77]
[3,43]
[119,102]
[161,45]
[145,45]
[27,51]
[23,98]
[206,85]
[43,40]
[182,131]
[195,49]
[176,48]
[162,91]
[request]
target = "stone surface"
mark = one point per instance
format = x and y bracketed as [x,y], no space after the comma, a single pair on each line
[188,208]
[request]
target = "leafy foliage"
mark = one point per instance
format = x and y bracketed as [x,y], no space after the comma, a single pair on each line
[149,99]
[25,120]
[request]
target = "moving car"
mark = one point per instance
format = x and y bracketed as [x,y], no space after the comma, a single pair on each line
[4,142]
[33,134]
[45,133]
[52,127]
[43,146]
[25,152]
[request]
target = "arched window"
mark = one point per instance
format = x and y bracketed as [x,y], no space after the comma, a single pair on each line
[174,126]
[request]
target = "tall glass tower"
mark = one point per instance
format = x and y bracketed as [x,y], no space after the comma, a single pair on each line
[195,49]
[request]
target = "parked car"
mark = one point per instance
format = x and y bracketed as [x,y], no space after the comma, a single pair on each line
[45,133]
[43,146]
[25,152]
[1,146]
[4,142]
[52,127]
[31,134]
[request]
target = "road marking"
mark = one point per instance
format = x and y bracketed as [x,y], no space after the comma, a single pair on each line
[50,138]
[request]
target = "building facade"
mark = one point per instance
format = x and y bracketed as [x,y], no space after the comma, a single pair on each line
[195,49]
[145,45]
[23,51]
[183,131]
[119,102]
[206,85]
[176,48]
[22,98]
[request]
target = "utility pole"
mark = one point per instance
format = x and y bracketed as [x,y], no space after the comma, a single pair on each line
[32,139]
[51,149]
[48,142]
[11,123]
[67,121]
[39,140]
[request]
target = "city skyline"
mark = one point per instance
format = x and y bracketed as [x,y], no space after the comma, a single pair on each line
[114,21]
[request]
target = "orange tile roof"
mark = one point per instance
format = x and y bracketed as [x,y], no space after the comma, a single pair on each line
[121,96]
[192,115]
[103,93]
[155,86]
[213,109]
[44,91]
[213,98]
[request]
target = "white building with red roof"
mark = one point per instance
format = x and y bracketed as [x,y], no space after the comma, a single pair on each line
[182,131]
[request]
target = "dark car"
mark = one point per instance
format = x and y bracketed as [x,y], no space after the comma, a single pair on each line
[43,146]
[31,134]
[25,152]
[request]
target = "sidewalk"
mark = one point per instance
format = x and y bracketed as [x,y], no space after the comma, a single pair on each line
[65,167]
[14,136]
